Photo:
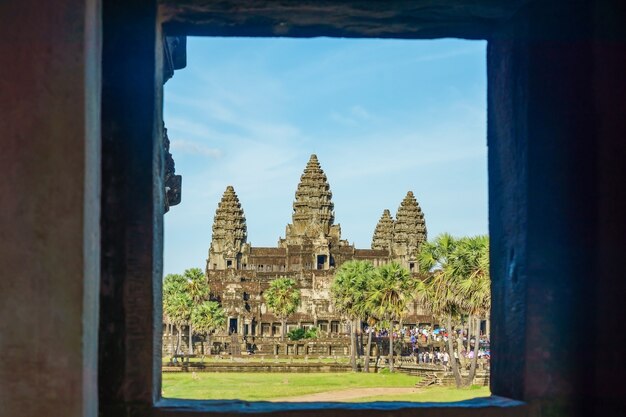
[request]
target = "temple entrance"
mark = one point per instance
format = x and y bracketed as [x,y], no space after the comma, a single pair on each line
[321,261]
[232,326]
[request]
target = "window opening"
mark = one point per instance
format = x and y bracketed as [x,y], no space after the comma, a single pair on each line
[232,325]
[321,261]
[373,149]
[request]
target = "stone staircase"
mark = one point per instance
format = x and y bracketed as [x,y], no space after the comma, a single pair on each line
[235,346]
[429,380]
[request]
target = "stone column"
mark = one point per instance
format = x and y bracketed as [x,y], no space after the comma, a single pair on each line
[50,218]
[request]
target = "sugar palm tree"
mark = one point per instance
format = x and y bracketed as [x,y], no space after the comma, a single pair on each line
[173,284]
[197,288]
[458,283]
[179,310]
[471,264]
[438,292]
[390,292]
[206,317]
[348,293]
[283,298]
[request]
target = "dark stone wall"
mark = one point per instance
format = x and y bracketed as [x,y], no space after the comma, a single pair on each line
[355,18]
[49,221]
[608,284]
[554,96]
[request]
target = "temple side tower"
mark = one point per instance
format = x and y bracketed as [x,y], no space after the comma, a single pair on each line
[409,231]
[383,234]
[229,233]
[313,214]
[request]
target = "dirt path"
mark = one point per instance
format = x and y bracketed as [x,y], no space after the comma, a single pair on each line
[347,394]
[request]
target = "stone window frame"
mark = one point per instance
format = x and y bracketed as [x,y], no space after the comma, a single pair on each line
[132,190]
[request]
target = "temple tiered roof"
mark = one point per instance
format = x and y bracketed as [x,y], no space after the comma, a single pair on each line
[313,213]
[410,228]
[229,225]
[383,234]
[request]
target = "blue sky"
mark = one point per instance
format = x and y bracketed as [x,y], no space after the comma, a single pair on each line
[383,116]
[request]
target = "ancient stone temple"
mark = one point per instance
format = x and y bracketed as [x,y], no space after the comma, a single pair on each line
[312,248]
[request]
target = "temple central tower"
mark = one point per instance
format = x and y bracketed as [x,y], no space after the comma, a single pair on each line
[313,211]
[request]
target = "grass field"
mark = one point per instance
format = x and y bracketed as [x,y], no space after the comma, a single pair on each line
[268,386]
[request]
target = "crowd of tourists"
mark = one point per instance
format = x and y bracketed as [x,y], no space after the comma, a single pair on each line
[423,344]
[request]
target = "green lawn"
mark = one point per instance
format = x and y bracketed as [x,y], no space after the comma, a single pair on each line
[266,386]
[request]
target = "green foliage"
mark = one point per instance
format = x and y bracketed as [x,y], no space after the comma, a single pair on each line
[458,283]
[283,297]
[207,317]
[173,284]
[458,280]
[391,290]
[182,294]
[196,286]
[301,333]
[470,264]
[350,287]
[178,308]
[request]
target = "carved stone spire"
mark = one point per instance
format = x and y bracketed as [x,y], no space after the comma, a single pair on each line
[172,182]
[229,231]
[383,234]
[409,230]
[313,214]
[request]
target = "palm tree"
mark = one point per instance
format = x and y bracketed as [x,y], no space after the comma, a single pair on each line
[207,317]
[172,284]
[179,310]
[458,284]
[349,293]
[438,291]
[388,296]
[283,298]
[471,264]
[197,288]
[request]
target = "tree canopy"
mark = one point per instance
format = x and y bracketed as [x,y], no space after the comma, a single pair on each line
[349,291]
[207,317]
[458,280]
[350,286]
[283,297]
[391,290]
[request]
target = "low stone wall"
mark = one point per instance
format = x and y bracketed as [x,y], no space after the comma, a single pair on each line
[268,366]
[337,345]
[435,373]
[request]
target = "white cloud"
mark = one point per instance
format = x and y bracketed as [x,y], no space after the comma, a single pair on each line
[360,112]
[193,148]
[354,116]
